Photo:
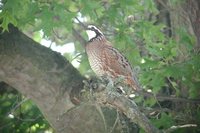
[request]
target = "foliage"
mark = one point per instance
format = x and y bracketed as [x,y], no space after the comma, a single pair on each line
[18,114]
[167,65]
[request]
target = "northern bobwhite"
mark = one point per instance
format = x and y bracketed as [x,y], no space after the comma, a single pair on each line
[105,60]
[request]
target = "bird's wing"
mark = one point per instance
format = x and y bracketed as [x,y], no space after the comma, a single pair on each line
[116,62]
[117,65]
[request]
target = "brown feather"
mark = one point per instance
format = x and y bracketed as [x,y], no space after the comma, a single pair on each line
[105,60]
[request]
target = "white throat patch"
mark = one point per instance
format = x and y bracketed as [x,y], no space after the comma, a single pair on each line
[91,34]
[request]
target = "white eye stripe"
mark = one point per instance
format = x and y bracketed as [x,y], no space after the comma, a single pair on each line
[92,26]
[95,29]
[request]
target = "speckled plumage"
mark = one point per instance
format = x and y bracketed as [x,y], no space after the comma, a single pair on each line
[105,60]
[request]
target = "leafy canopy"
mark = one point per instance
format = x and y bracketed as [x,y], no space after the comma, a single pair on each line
[165,64]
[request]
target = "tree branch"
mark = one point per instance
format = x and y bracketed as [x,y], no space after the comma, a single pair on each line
[169,98]
[128,107]
[173,128]
[79,37]
[42,75]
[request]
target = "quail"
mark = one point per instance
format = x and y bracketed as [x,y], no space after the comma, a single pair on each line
[105,60]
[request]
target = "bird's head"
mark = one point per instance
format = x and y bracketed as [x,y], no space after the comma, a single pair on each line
[93,32]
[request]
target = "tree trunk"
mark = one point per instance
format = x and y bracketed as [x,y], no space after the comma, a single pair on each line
[48,79]
[186,14]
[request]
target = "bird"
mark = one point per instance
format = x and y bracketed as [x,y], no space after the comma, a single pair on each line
[105,60]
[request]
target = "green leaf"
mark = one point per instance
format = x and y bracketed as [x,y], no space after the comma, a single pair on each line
[7,18]
[157,81]
[165,121]
[91,8]
[194,90]
[186,39]
[150,102]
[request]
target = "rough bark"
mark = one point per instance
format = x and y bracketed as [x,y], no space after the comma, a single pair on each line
[129,108]
[39,73]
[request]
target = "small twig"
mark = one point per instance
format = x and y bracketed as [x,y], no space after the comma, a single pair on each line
[19,104]
[147,111]
[115,124]
[56,34]
[157,101]
[29,119]
[171,129]
[81,23]
[171,82]
[170,98]
[50,44]
[79,37]
[77,56]
[102,115]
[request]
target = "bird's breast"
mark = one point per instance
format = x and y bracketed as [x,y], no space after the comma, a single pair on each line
[94,52]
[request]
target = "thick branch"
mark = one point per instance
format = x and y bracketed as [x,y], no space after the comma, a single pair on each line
[129,108]
[40,74]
